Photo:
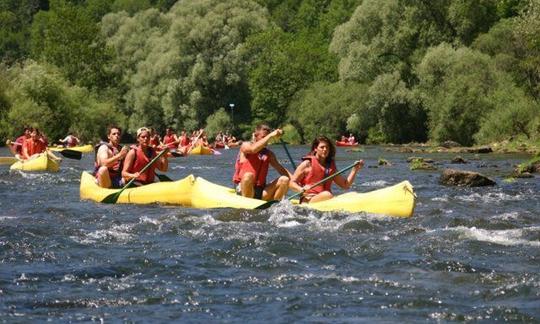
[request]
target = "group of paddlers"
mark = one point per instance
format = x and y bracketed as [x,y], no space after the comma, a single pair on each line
[116,165]
[30,144]
[348,139]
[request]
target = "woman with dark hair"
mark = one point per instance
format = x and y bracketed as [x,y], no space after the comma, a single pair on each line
[317,165]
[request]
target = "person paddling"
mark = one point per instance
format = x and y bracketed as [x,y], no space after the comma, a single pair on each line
[318,165]
[16,147]
[139,156]
[170,139]
[70,140]
[109,160]
[35,145]
[252,164]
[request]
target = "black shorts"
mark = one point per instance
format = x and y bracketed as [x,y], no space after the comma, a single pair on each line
[258,191]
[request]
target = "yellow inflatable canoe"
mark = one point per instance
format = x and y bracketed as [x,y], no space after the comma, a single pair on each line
[83,148]
[7,160]
[201,150]
[41,163]
[397,200]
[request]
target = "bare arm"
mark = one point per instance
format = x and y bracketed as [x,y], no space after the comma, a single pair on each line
[103,158]
[163,162]
[298,175]
[347,183]
[251,148]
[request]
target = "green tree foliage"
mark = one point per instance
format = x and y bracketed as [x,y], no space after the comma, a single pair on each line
[220,121]
[181,66]
[459,88]
[323,108]
[283,66]
[67,37]
[15,21]
[40,96]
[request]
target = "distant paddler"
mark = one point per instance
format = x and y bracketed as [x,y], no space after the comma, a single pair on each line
[318,165]
[109,160]
[15,147]
[35,145]
[138,158]
[70,140]
[252,164]
[170,139]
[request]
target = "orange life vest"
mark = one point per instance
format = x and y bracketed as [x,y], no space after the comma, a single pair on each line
[34,147]
[141,160]
[256,163]
[316,174]
[169,141]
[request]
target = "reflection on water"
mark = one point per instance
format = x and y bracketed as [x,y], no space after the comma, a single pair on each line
[468,254]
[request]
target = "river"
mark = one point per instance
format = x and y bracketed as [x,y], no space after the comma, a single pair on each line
[467,254]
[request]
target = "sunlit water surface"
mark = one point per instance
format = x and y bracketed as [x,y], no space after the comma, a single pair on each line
[467,253]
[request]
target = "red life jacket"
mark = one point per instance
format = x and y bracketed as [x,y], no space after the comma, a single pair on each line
[256,163]
[116,169]
[316,174]
[141,160]
[154,141]
[20,140]
[72,141]
[184,140]
[34,147]
[169,141]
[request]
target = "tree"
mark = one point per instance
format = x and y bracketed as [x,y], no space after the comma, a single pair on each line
[180,66]
[220,121]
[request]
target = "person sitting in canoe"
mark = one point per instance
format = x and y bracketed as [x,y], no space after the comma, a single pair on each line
[109,160]
[155,141]
[16,146]
[36,144]
[70,140]
[252,164]
[318,165]
[351,139]
[139,156]
[170,139]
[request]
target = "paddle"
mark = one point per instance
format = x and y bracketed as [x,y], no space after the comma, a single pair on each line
[287,151]
[163,178]
[71,154]
[112,198]
[332,176]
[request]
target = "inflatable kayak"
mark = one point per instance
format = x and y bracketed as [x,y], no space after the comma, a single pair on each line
[340,143]
[201,150]
[41,163]
[397,200]
[7,160]
[83,149]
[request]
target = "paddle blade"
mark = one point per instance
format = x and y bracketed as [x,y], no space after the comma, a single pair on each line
[176,154]
[163,178]
[71,154]
[267,204]
[112,198]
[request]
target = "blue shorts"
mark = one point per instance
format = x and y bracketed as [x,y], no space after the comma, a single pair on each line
[117,182]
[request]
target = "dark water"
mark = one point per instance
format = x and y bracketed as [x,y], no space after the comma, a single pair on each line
[466,254]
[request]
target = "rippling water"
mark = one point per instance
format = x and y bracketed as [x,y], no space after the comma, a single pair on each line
[469,254]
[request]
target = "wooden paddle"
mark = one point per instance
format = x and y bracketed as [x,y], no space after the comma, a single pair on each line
[113,198]
[330,177]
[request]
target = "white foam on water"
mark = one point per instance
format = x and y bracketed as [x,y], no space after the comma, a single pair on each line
[148,220]
[442,198]
[176,167]
[203,167]
[7,217]
[118,233]
[502,237]
[507,216]
[378,183]
[490,197]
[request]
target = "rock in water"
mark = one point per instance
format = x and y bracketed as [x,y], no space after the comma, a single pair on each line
[453,177]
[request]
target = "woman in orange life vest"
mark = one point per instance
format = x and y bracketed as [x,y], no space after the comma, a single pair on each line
[139,156]
[318,165]
[16,147]
[252,165]
[109,159]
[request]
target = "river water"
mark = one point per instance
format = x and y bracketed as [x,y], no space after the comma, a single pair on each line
[467,254]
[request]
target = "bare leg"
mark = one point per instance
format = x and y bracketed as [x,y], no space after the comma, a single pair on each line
[277,189]
[325,195]
[103,178]
[247,185]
